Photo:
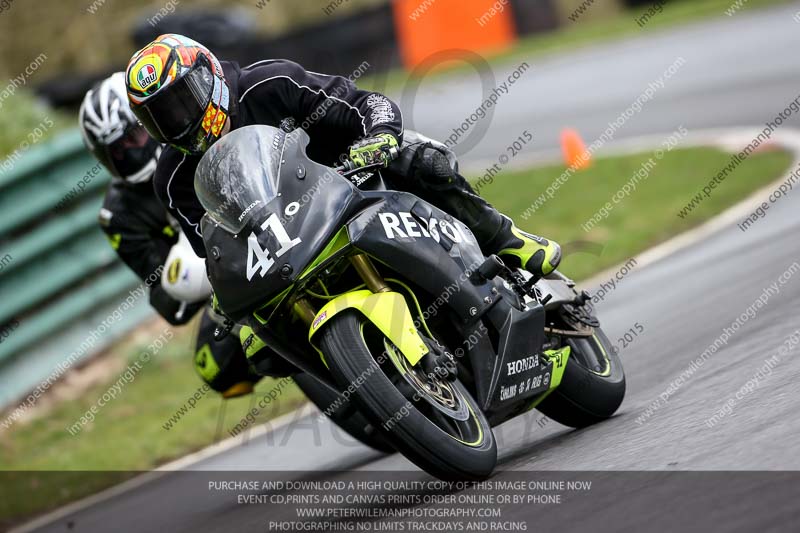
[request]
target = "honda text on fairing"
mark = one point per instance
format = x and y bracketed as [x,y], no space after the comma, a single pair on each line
[385,298]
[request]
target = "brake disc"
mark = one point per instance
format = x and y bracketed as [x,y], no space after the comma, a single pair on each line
[433,389]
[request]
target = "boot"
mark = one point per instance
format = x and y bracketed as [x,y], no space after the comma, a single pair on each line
[518,248]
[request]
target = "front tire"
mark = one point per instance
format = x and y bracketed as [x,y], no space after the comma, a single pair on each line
[593,385]
[447,448]
[345,415]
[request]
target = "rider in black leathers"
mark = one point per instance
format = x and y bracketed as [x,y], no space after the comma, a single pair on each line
[142,232]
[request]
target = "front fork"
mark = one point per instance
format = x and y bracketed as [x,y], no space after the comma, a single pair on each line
[379,304]
[369,275]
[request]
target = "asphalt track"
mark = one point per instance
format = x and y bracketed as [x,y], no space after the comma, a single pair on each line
[739,70]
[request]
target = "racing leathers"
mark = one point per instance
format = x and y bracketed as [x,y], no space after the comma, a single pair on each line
[142,234]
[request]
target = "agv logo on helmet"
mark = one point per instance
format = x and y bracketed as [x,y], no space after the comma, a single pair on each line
[146,76]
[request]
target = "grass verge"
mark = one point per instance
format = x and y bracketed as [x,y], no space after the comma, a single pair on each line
[647,216]
[129,435]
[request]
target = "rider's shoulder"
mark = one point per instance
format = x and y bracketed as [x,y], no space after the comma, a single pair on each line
[172,163]
[172,158]
[120,209]
[270,68]
[269,64]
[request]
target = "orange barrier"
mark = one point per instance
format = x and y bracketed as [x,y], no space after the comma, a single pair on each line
[425,27]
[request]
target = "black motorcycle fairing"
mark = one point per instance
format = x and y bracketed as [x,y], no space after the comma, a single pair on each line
[287,210]
[519,371]
[507,355]
[435,250]
[292,351]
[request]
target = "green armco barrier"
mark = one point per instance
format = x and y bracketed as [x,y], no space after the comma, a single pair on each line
[52,233]
[43,156]
[111,288]
[33,189]
[70,262]
[56,266]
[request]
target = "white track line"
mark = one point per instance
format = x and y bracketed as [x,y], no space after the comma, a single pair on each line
[734,140]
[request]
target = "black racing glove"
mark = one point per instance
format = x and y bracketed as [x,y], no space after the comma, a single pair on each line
[171,309]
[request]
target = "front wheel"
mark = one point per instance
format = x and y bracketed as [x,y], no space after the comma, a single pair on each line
[593,384]
[343,414]
[432,421]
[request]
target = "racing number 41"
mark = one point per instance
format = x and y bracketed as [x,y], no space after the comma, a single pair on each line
[258,258]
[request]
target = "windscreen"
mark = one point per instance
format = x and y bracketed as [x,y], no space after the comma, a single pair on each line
[239,174]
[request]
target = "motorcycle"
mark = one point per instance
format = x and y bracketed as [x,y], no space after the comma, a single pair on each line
[386,300]
[185,279]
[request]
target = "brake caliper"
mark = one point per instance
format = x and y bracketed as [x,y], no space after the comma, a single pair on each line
[439,362]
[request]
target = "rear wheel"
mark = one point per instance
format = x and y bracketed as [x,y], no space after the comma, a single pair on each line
[593,385]
[343,413]
[432,421]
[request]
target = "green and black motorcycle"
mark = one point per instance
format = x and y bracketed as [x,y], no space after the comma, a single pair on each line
[382,298]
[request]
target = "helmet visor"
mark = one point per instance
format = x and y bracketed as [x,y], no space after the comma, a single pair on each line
[178,108]
[130,153]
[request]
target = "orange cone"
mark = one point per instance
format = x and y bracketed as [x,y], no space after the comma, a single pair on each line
[575,153]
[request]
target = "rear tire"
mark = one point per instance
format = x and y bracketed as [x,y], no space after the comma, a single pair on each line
[472,455]
[593,385]
[346,415]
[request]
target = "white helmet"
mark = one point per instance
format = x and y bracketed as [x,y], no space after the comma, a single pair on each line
[113,133]
[184,276]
